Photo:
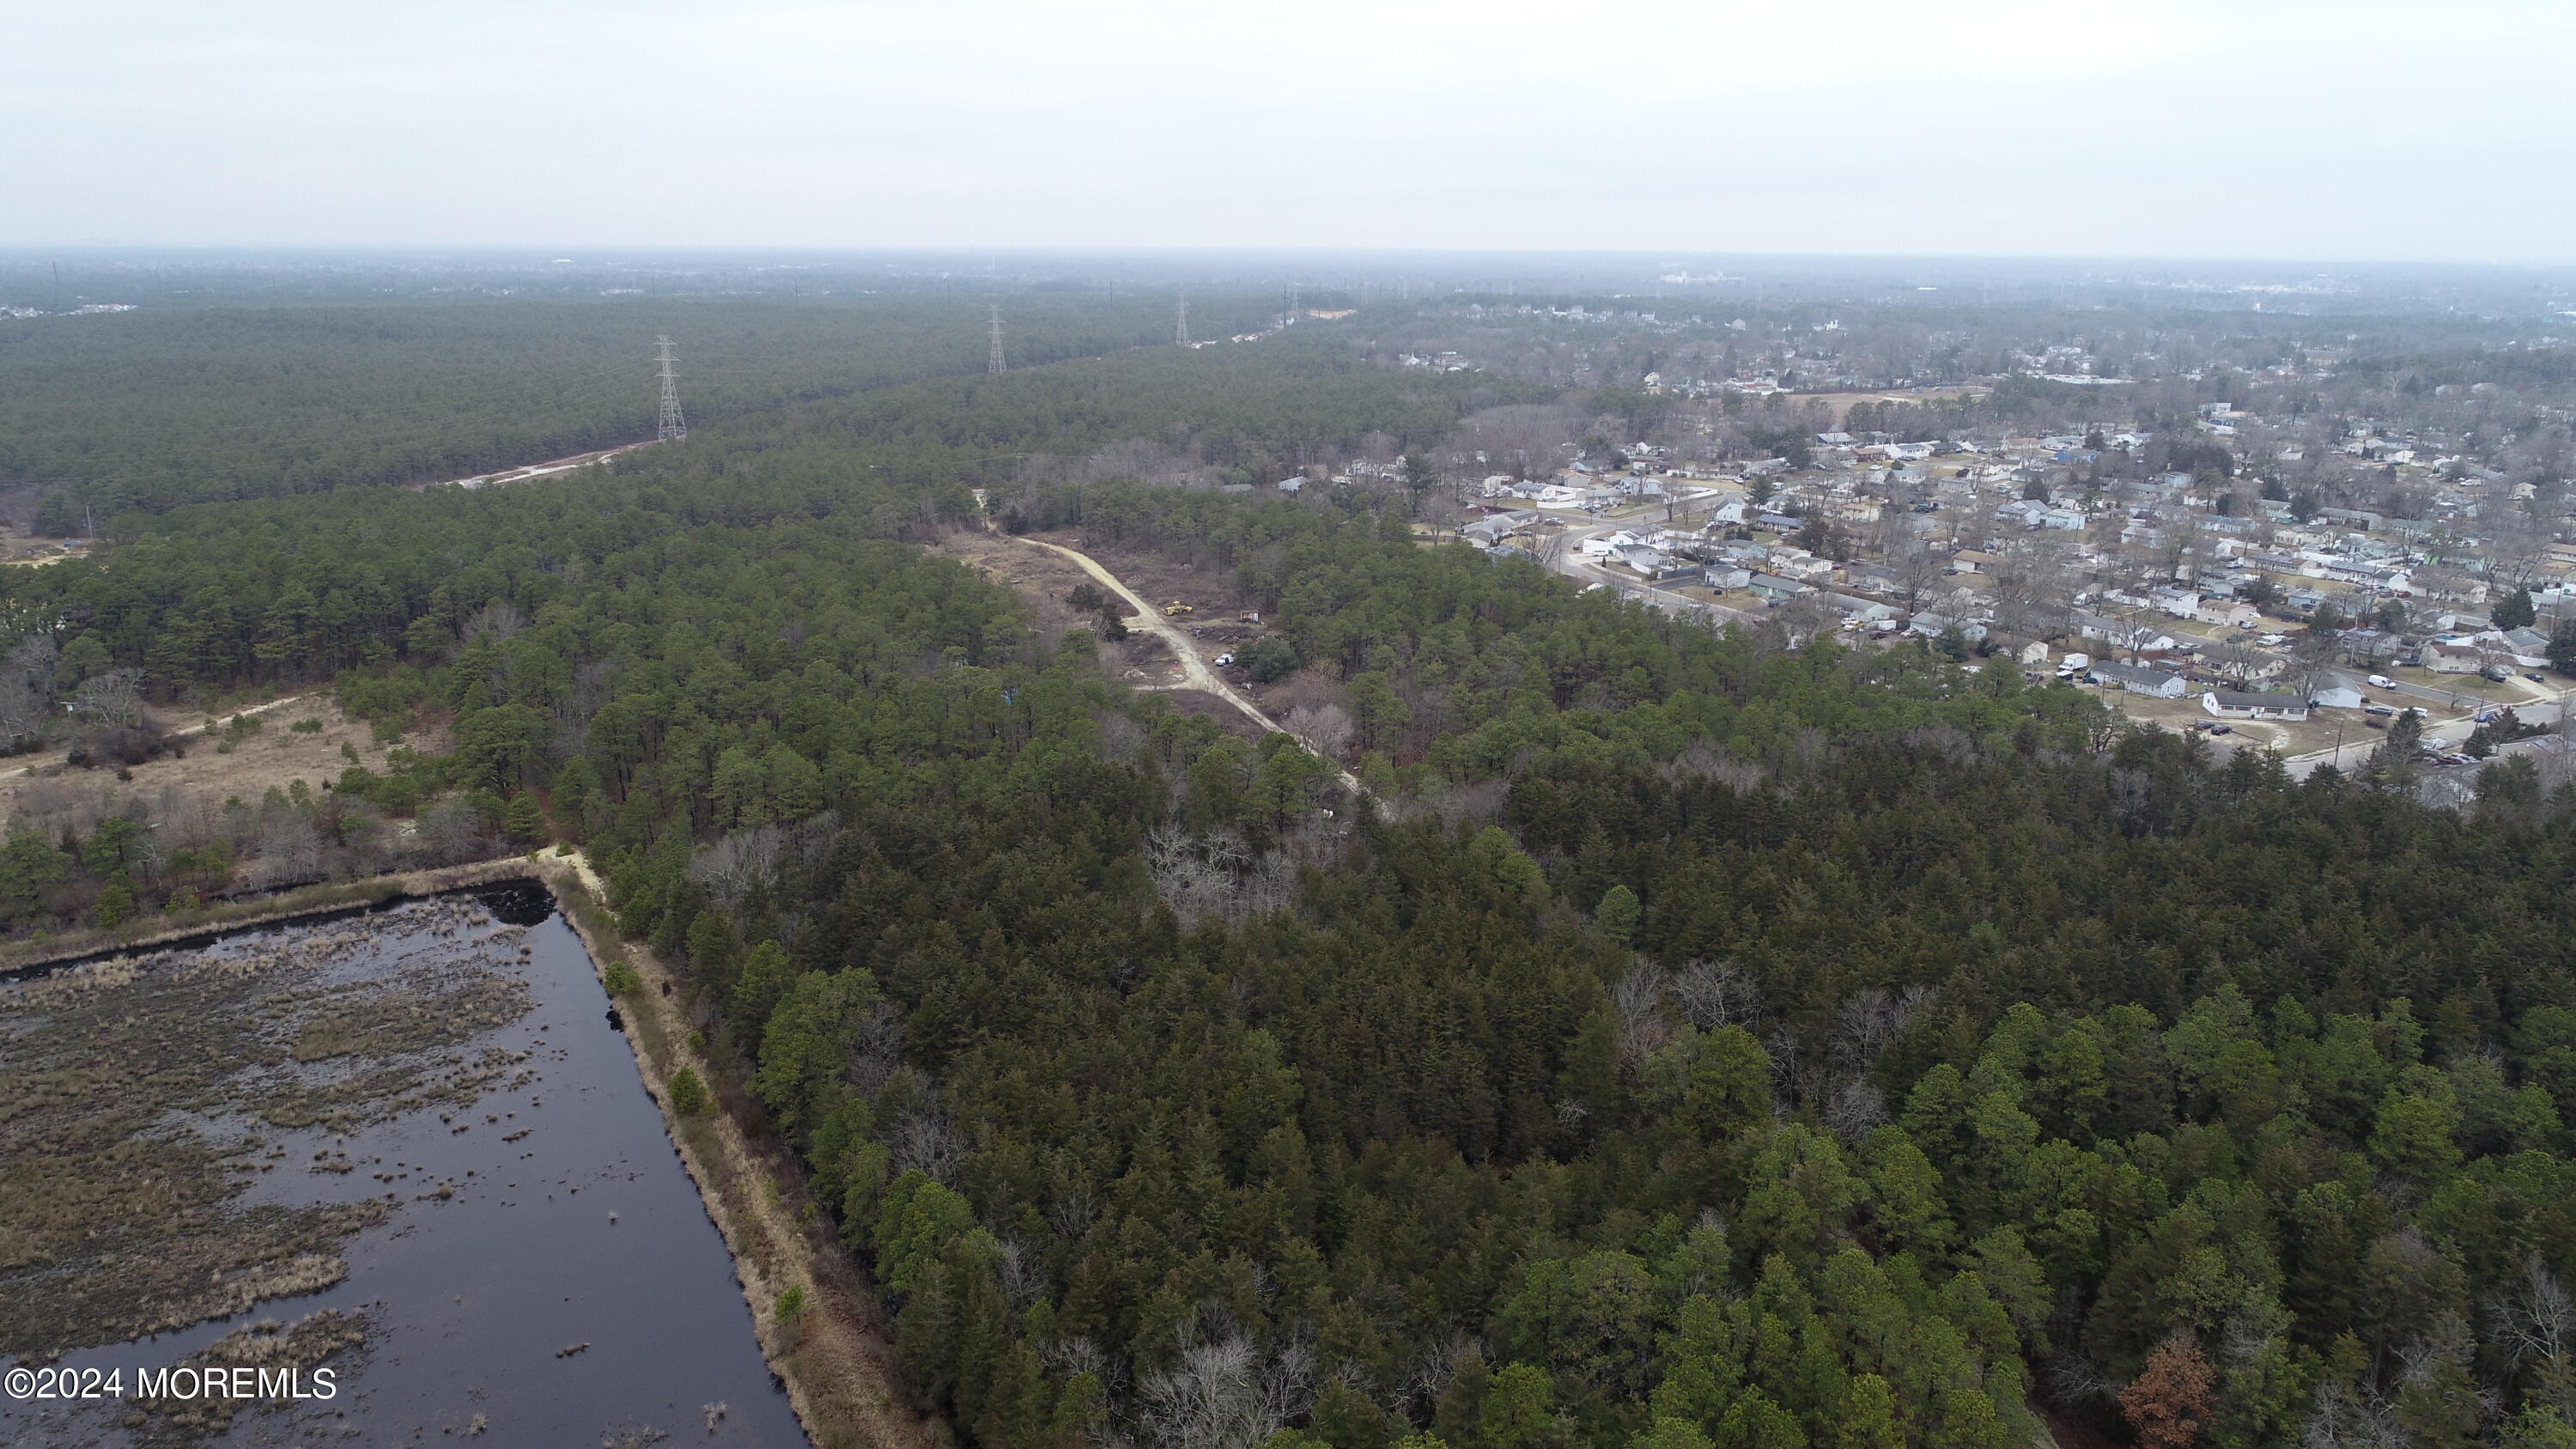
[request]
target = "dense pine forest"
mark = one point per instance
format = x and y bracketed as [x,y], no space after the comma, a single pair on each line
[1680,1042]
[158,408]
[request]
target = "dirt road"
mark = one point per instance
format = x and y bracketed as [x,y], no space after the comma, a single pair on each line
[179,734]
[1195,672]
[534,471]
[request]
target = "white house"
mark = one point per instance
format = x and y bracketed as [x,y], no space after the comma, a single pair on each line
[2445,656]
[2180,603]
[2138,680]
[2228,704]
[2228,613]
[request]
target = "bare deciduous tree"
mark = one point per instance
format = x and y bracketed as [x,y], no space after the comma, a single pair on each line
[1795,623]
[2034,589]
[290,845]
[449,832]
[1071,1210]
[1639,999]
[875,1051]
[1715,994]
[1225,1394]
[924,1140]
[2534,1322]
[112,697]
[729,869]
[1324,728]
[1195,884]
[498,620]
[1855,1109]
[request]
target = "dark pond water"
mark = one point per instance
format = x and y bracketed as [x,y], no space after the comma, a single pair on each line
[471,1298]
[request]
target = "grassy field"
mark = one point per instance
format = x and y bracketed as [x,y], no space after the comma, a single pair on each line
[1843,402]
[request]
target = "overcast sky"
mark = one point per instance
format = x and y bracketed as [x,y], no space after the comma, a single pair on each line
[2187,128]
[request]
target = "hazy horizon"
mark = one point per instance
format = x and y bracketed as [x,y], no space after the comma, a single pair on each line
[2180,131]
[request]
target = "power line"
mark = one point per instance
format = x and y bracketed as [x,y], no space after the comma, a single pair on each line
[996,364]
[1181,332]
[673,426]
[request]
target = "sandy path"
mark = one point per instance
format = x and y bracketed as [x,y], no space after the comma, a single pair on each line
[194,729]
[1195,672]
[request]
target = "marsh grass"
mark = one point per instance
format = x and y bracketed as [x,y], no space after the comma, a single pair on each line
[134,1094]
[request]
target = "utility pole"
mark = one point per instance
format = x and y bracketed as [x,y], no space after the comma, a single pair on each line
[1181,331]
[673,426]
[996,365]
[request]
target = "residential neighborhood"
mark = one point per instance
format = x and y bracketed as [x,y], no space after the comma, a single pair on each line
[2253,557]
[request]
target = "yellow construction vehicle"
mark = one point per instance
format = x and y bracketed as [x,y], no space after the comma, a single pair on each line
[1176,608]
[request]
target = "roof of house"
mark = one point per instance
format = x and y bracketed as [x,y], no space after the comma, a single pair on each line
[2135,676]
[2237,699]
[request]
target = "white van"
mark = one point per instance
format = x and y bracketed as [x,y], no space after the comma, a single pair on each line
[2382,681]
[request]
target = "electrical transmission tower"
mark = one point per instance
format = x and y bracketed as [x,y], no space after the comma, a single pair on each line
[674,427]
[996,364]
[1181,331]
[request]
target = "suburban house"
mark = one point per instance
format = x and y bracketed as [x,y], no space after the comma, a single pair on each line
[2527,647]
[2228,613]
[2444,656]
[2135,634]
[1932,626]
[2177,602]
[1772,586]
[1723,577]
[2137,679]
[1861,611]
[2229,704]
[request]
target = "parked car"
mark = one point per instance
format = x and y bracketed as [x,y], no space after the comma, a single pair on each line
[2377,709]
[2220,729]
[2536,679]
[1224,659]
